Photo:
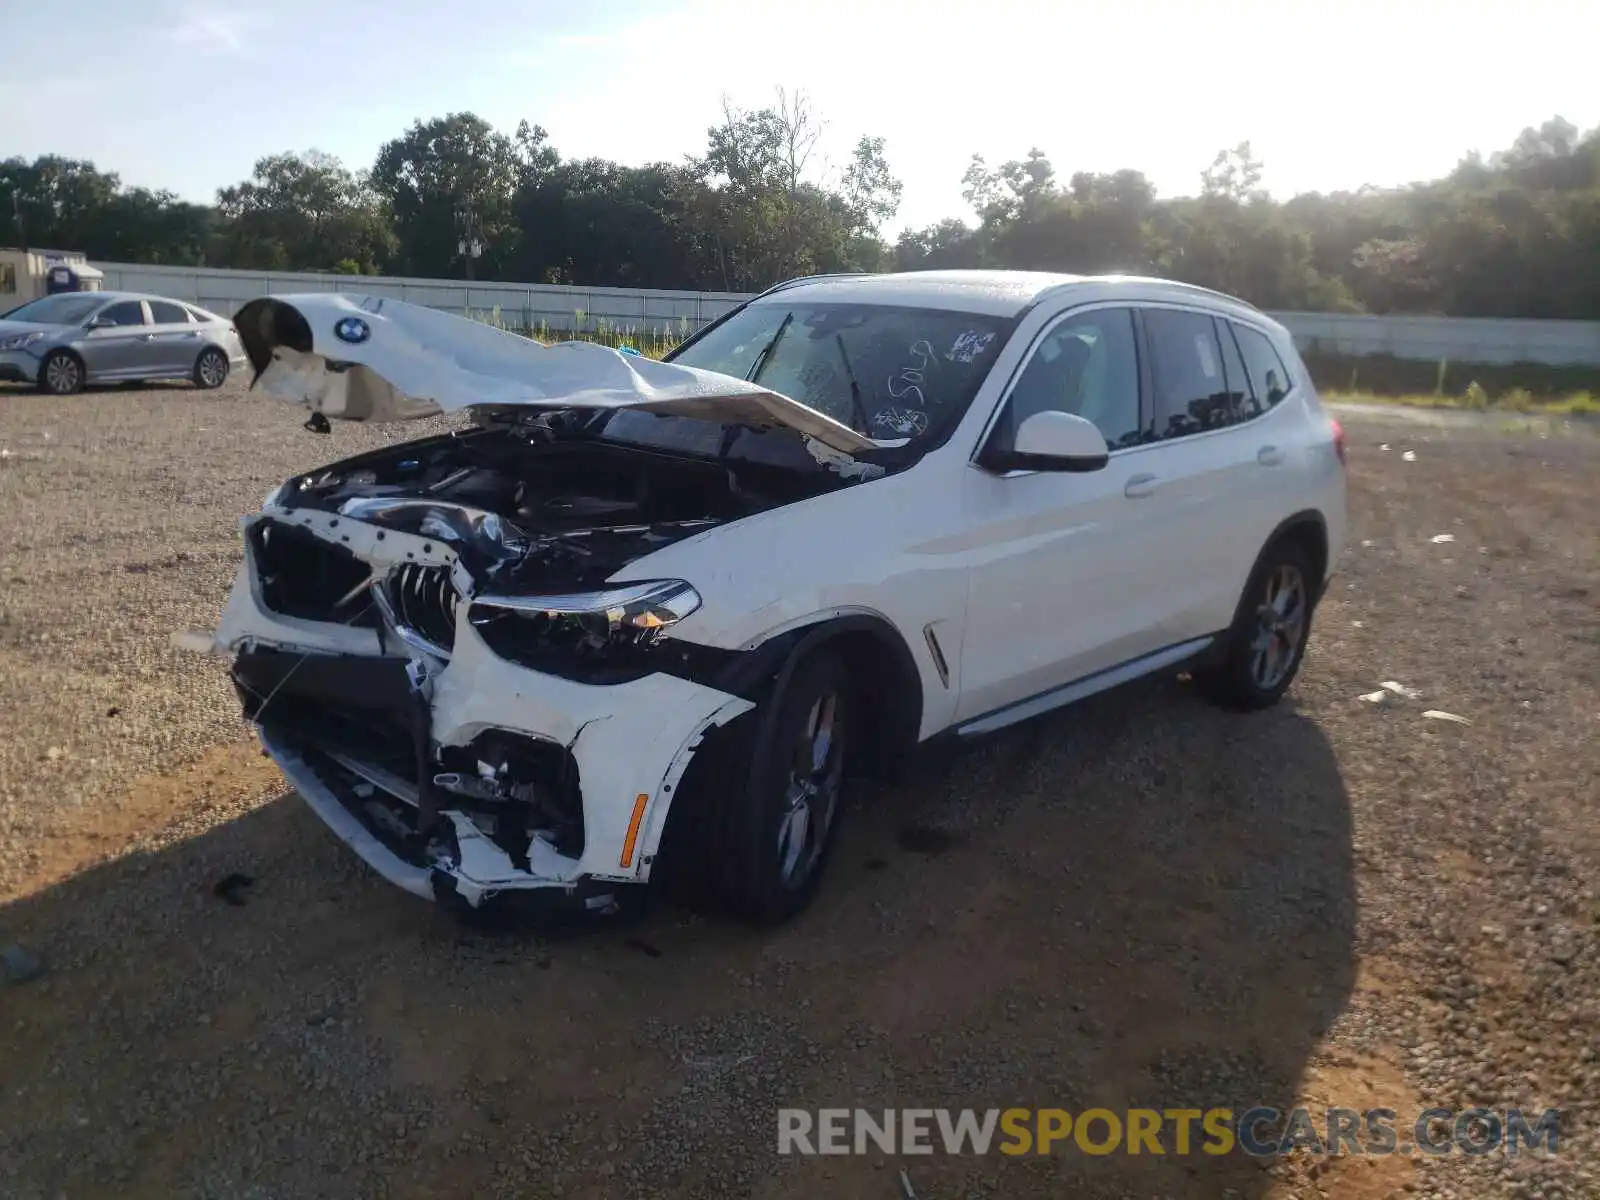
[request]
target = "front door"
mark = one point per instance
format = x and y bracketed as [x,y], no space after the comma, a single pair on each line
[118,347]
[1069,576]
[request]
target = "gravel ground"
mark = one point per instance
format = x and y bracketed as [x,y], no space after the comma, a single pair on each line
[1139,902]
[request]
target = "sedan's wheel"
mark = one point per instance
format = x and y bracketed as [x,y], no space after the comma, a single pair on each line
[768,849]
[211,368]
[61,373]
[1269,634]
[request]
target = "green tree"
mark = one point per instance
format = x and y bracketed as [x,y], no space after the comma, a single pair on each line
[448,181]
[306,212]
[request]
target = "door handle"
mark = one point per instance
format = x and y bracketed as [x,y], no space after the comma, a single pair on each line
[149,337]
[1140,485]
[1269,456]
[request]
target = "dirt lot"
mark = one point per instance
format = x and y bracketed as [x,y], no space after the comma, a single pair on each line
[1138,902]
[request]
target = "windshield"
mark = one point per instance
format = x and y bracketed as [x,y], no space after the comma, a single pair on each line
[56,310]
[888,372]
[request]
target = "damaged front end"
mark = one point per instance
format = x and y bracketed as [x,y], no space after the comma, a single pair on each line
[432,640]
[429,645]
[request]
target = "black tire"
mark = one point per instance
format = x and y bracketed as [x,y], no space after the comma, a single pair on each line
[747,858]
[1262,654]
[61,373]
[210,369]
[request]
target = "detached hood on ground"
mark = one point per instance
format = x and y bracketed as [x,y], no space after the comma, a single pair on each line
[368,358]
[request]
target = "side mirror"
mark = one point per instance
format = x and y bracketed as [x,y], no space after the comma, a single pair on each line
[1053,441]
[100,323]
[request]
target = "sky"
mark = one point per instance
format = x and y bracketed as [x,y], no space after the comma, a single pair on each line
[187,94]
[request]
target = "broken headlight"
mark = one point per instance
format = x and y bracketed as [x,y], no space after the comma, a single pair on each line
[569,634]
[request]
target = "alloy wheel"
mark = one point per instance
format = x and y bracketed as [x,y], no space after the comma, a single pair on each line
[1280,627]
[213,370]
[62,375]
[812,796]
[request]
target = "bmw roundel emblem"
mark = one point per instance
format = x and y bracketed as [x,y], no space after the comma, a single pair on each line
[353,330]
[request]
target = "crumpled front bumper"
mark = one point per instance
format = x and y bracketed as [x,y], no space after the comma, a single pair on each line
[631,743]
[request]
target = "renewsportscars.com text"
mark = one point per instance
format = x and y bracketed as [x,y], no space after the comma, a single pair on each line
[1260,1132]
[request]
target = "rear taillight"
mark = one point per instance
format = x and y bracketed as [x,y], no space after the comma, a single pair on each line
[1338,440]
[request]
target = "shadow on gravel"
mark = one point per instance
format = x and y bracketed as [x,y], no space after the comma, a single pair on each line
[1138,903]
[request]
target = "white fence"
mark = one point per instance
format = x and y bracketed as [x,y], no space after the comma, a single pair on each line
[1457,339]
[519,306]
[645,311]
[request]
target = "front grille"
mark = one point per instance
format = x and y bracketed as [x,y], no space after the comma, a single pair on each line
[424,601]
[303,576]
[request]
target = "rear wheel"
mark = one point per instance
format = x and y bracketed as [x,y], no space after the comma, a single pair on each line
[211,368]
[1269,634]
[767,851]
[61,373]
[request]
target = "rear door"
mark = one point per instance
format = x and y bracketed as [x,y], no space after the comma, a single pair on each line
[175,338]
[1212,457]
[117,348]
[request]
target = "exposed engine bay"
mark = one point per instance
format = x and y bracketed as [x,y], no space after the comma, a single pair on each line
[529,504]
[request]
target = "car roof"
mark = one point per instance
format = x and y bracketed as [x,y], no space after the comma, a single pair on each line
[998,293]
[120,296]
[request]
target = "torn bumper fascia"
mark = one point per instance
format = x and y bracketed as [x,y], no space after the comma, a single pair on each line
[628,739]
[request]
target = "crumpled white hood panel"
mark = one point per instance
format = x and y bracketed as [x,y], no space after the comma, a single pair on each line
[368,358]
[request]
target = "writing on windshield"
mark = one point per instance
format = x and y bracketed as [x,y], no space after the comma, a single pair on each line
[886,371]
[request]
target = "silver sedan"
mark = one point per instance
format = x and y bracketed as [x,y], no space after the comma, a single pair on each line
[65,342]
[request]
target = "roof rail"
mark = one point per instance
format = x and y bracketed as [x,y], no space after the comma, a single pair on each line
[1155,279]
[1195,287]
[786,284]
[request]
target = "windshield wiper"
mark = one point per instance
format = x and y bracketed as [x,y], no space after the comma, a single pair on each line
[856,407]
[766,351]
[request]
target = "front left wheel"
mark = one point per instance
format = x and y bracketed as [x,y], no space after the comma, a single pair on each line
[771,843]
[210,369]
[61,373]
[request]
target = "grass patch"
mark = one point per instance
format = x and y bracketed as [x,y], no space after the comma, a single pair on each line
[1516,387]
[650,341]
[1479,401]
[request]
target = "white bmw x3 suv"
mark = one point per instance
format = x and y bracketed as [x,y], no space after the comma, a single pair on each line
[637,610]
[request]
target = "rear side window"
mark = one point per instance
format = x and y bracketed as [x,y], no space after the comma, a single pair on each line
[1269,378]
[164,312]
[1191,390]
[200,317]
[1242,404]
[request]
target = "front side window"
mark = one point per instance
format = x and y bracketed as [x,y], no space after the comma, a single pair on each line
[128,312]
[1191,390]
[886,371]
[1086,365]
